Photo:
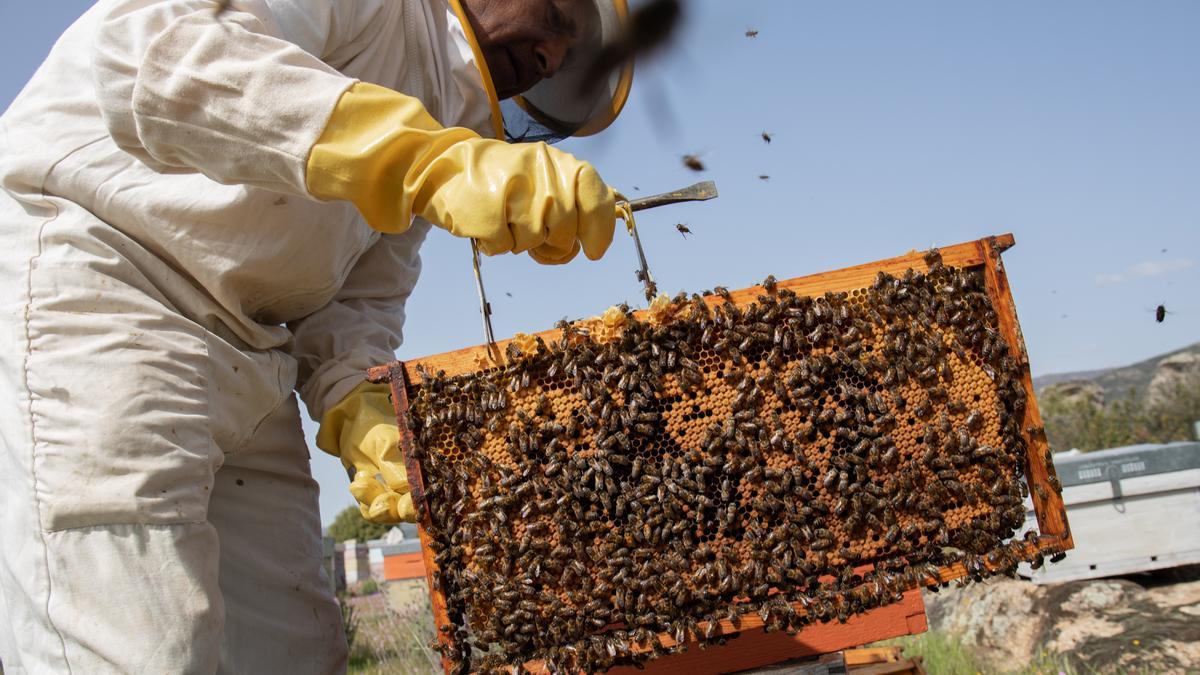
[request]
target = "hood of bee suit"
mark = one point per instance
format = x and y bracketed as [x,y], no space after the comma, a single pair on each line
[564,105]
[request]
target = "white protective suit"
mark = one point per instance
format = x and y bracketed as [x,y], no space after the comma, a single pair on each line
[168,282]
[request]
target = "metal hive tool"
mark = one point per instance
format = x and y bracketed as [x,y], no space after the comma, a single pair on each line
[803,451]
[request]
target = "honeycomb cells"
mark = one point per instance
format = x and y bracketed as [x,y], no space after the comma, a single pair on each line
[654,476]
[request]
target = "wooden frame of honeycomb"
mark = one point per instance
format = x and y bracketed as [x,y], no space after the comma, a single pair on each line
[847,286]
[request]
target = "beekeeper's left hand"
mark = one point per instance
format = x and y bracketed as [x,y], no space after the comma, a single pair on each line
[362,431]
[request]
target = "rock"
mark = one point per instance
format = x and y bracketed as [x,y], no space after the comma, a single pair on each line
[1100,595]
[1170,373]
[1076,392]
[1176,595]
[983,612]
[1107,625]
[1071,635]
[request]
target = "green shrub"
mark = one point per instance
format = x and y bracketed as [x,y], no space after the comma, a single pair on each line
[349,524]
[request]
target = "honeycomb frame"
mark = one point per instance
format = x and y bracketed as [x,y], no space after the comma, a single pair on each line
[983,255]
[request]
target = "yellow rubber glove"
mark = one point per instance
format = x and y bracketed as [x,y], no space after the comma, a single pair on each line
[362,431]
[382,151]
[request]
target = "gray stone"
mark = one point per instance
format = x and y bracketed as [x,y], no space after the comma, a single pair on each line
[1076,392]
[1109,625]
[1170,373]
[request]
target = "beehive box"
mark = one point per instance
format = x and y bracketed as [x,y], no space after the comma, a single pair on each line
[800,452]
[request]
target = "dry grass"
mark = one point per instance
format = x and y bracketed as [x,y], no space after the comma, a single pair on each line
[393,635]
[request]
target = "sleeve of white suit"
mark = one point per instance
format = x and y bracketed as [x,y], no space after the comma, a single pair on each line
[241,98]
[361,327]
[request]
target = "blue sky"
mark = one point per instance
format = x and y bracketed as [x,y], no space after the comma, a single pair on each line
[1074,125]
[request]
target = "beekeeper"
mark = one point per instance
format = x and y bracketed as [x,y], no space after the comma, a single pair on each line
[203,213]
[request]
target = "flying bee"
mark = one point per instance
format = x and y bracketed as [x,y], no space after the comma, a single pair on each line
[693,162]
[683,230]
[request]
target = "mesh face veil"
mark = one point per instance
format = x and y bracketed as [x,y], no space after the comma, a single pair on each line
[567,104]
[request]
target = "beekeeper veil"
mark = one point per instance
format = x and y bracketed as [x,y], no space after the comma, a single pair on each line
[575,101]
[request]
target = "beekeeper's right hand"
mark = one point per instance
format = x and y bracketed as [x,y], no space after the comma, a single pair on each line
[382,151]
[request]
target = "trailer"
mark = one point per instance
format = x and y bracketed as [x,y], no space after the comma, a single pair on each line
[1131,509]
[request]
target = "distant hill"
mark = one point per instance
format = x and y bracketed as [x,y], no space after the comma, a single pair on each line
[1115,382]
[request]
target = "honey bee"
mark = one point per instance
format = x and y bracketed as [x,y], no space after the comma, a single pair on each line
[923,409]
[1055,483]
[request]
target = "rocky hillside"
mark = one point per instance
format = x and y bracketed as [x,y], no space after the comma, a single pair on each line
[1115,383]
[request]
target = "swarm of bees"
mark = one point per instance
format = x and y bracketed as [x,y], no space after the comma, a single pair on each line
[668,478]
